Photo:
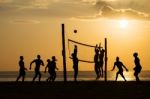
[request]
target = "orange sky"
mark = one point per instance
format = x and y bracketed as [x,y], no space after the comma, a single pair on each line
[34,27]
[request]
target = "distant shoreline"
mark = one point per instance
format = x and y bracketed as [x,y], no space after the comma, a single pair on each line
[69,70]
[82,76]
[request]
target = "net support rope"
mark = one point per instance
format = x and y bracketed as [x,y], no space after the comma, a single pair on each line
[69,40]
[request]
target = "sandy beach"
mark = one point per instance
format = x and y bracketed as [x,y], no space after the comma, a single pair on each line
[75,90]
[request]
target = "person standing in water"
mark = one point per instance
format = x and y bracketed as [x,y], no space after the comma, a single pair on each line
[22,72]
[138,67]
[38,62]
[119,65]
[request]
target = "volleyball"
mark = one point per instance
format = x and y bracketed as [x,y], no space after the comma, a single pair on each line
[75,31]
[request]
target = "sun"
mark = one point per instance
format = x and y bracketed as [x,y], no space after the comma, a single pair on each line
[123,23]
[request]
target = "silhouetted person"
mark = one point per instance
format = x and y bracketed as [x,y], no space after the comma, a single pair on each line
[75,62]
[49,69]
[119,65]
[53,68]
[138,67]
[22,72]
[101,61]
[38,62]
[96,66]
[75,66]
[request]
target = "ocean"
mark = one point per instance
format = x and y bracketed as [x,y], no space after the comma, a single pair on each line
[82,76]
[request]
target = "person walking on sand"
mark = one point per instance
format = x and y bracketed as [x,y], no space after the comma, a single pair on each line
[138,67]
[49,69]
[119,65]
[38,62]
[22,72]
[53,68]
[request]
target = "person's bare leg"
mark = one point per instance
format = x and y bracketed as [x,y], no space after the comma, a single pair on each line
[123,76]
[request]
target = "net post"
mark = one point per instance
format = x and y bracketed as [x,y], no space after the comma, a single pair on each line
[105,59]
[64,53]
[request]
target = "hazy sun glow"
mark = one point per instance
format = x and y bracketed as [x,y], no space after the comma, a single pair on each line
[123,23]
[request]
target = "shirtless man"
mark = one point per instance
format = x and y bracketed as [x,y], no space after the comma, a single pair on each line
[22,72]
[119,65]
[38,62]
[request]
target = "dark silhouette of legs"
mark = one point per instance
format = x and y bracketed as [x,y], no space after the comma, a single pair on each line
[117,75]
[123,76]
[97,71]
[40,76]
[23,78]
[136,76]
[35,77]
[53,76]
[36,74]
[49,78]
[21,74]
[101,71]
[101,68]
[121,73]
[75,74]
[18,77]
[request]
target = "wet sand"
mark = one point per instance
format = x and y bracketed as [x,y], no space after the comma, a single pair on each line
[75,90]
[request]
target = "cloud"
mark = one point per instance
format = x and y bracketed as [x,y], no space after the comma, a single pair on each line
[5,1]
[26,4]
[20,4]
[109,12]
[85,9]
[89,1]
[57,8]
[106,9]
[24,21]
[43,4]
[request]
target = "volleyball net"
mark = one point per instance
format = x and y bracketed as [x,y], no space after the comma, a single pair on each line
[85,51]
